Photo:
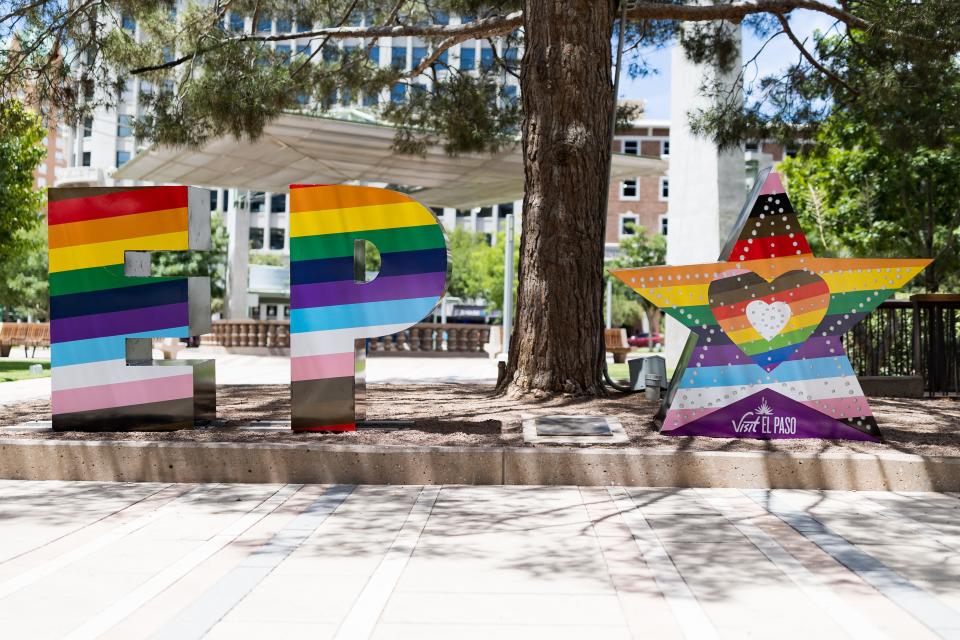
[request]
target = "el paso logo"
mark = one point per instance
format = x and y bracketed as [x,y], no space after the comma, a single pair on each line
[763,421]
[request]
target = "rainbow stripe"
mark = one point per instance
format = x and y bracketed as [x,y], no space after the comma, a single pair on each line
[330,313]
[728,360]
[95,308]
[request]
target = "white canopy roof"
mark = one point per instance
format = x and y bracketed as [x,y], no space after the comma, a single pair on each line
[315,150]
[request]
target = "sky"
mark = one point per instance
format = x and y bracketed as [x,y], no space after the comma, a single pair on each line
[655,88]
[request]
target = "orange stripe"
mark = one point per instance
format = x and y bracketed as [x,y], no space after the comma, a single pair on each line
[119,228]
[341,197]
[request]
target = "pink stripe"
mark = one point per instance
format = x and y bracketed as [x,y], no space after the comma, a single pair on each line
[330,365]
[849,407]
[123,394]
[676,418]
[772,185]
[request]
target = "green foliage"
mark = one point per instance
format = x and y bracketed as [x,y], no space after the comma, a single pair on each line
[477,267]
[212,264]
[21,151]
[267,259]
[639,250]
[23,275]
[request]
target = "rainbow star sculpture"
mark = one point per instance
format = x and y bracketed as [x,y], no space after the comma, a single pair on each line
[765,359]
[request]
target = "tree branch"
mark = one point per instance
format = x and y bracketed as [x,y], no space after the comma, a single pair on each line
[737,11]
[809,57]
[494,25]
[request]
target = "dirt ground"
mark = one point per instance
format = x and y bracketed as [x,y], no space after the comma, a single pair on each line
[469,415]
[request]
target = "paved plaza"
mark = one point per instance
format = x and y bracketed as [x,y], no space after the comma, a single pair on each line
[95,560]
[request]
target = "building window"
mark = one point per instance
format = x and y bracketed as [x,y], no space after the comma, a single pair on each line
[752,145]
[123,126]
[283,25]
[468,58]
[277,238]
[264,23]
[236,22]
[628,225]
[665,148]
[278,203]
[510,91]
[256,205]
[283,51]
[87,127]
[256,238]
[255,312]
[271,312]
[463,213]
[128,23]
[631,147]
[663,225]
[286,311]
[398,92]
[213,200]
[123,157]
[664,188]
[629,190]
[504,209]
[303,26]
[486,58]
[375,55]
[398,57]
[419,53]
[86,159]
[485,212]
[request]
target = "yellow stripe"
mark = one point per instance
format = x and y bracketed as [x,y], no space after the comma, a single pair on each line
[683,296]
[389,216]
[870,279]
[749,334]
[103,253]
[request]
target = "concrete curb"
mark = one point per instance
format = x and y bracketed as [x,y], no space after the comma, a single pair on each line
[137,461]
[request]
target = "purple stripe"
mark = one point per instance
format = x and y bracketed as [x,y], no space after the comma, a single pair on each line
[119,323]
[326,294]
[726,354]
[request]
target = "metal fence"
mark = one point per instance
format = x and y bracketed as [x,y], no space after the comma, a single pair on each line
[916,337]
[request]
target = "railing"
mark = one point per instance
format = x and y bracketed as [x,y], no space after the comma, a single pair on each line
[424,338]
[909,338]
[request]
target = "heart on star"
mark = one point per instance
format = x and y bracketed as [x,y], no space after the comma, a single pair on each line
[768,320]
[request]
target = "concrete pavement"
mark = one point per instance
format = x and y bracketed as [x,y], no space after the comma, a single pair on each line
[101,560]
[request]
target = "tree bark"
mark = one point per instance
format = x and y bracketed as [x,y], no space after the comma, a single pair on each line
[567,89]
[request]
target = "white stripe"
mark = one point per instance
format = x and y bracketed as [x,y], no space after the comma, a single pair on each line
[114,614]
[801,391]
[366,610]
[687,612]
[848,618]
[318,343]
[95,374]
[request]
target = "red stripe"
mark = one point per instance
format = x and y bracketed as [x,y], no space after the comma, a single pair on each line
[350,426]
[305,186]
[761,249]
[811,290]
[120,203]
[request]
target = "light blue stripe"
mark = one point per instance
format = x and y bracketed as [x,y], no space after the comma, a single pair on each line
[108,348]
[791,371]
[364,314]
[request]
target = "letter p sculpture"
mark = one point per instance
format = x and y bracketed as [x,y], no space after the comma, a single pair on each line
[333,310]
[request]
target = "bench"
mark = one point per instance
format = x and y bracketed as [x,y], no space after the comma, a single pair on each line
[616,343]
[23,334]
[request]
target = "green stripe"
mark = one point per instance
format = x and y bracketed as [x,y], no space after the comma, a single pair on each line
[337,245]
[94,279]
[783,340]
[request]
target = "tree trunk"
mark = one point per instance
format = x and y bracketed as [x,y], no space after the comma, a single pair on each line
[567,89]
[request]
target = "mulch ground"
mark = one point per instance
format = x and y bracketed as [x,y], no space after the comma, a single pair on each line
[469,415]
